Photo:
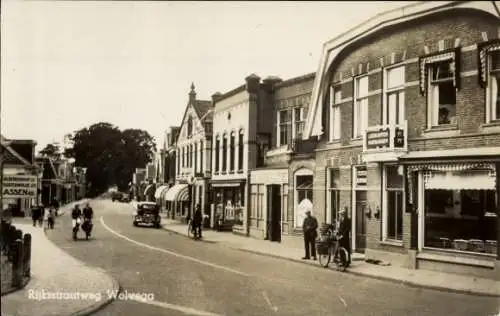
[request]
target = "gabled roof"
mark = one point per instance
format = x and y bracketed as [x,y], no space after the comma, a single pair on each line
[334,47]
[10,155]
[202,108]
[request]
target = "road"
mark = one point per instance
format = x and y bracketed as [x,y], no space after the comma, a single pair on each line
[188,277]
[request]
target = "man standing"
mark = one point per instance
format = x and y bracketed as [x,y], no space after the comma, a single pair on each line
[344,233]
[310,227]
[197,221]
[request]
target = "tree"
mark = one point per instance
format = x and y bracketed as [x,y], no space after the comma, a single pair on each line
[110,155]
[51,150]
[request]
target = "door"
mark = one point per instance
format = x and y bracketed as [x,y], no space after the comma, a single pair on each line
[274,212]
[361,205]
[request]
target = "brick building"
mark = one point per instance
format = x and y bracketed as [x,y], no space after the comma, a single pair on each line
[242,129]
[286,177]
[406,107]
[169,165]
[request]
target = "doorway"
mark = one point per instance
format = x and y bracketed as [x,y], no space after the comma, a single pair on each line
[274,212]
[361,204]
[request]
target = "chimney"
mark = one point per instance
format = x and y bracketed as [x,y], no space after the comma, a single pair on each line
[270,81]
[192,94]
[215,97]
[252,82]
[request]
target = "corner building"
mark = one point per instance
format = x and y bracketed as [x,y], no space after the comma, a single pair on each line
[407,110]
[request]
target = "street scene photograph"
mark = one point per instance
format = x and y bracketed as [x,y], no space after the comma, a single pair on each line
[254,158]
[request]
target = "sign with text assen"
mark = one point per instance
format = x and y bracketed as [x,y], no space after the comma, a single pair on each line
[378,139]
[19,186]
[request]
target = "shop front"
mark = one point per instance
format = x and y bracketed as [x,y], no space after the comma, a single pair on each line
[177,201]
[457,221]
[160,196]
[229,197]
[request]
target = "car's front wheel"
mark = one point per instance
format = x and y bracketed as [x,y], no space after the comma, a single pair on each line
[135,224]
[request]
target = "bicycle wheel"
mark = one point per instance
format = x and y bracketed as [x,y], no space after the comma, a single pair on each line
[324,259]
[342,261]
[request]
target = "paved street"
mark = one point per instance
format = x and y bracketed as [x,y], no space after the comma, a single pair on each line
[195,278]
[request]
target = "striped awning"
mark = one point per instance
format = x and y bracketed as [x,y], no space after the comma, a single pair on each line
[452,167]
[478,180]
[159,191]
[179,192]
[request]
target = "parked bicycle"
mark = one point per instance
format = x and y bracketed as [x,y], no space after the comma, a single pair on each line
[329,249]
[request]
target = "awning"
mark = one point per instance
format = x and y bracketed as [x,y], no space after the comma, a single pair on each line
[227,183]
[452,167]
[478,180]
[159,191]
[178,192]
[164,193]
[148,189]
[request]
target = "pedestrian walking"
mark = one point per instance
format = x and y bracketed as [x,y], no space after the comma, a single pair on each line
[197,221]
[344,233]
[50,218]
[35,214]
[310,227]
[41,216]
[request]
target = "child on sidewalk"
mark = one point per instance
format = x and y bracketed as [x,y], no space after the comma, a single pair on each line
[50,219]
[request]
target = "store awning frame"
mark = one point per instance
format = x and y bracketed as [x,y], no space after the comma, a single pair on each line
[232,183]
[478,180]
[159,191]
[176,192]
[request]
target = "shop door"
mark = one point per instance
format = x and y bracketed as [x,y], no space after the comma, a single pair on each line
[361,205]
[274,212]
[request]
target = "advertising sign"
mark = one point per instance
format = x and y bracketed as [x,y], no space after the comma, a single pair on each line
[17,186]
[378,139]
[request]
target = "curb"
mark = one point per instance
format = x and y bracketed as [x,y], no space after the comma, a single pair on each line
[184,235]
[15,289]
[100,305]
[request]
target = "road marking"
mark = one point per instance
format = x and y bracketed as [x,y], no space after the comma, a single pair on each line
[343,301]
[213,265]
[182,309]
[274,308]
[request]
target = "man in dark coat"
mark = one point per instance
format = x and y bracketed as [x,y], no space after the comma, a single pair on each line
[36,213]
[344,233]
[310,227]
[197,221]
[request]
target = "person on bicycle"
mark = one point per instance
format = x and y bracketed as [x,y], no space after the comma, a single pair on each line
[76,215]
[88,214]
[344,233]
[197,221]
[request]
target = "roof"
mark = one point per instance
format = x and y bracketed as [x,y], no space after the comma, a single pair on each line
[11,156]
[332,48]
[202,107]
[296,80]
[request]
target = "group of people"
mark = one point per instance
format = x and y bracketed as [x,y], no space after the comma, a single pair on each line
[38,214]
[310,228]
[77,214]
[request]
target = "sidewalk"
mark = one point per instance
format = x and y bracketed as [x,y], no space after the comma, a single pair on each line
[53,271]
[420,278]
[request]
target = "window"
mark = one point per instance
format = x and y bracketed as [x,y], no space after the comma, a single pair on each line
[190,156]
[241,145]
[333,195]
[183,157]
[493,91]
[217,153]
[460,219]
[441,94]
[232,152]
[195,158]
[257,198]
[303,190]
[394,204]
[201,156]
[283,125]
[298,122]
[189,126]
[178,158]
[224,153]
[394,102]
[335,99]
[360,106]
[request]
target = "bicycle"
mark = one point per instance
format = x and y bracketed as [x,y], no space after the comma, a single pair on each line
[192,230]
[330,250]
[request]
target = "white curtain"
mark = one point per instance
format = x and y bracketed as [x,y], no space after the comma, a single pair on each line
[494,96]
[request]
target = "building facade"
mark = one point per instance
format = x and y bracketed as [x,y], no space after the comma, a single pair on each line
[193,149]
[242,133]
[286,177]
[407,111]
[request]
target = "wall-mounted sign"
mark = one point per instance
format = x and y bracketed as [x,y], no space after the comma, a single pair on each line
[361,175]
[399,138]
[17,186]
[378,139]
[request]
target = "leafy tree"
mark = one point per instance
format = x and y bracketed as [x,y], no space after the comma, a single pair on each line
[110,155]
[51,150]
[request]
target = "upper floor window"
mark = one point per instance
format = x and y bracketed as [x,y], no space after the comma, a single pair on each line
[335,99]
[283,126]
[493,91]
[394,100]
[224,153]
[441,94]
[231,152]
[360,121]
[241,146]
[298,122]
[201,156]
[189,126]
[217,153]
[195,157]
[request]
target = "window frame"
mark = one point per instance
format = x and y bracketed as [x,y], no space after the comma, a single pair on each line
[241,150]
[281,125]
[491,109]
[432,107]
[385,206]
[297,123]
[400,91]
[232,153]
[332,190]
[357,106]
[217,153]
[224,153]
[335,118]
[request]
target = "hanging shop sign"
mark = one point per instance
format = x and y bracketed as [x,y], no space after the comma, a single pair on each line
[19,186]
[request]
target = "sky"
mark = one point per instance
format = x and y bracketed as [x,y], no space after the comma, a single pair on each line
[66,65]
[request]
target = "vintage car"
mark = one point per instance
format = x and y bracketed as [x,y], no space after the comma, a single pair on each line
[147,213]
